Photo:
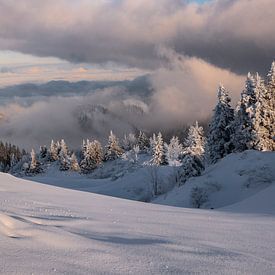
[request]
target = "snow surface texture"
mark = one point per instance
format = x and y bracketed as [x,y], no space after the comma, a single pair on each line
[46,230]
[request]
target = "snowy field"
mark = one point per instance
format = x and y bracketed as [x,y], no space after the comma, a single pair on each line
[47,229]
[231,180]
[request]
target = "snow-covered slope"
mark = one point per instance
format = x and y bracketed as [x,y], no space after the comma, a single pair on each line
[233,179]
[47,230]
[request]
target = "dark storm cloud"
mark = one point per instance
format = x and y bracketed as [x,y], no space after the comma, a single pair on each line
[234,34]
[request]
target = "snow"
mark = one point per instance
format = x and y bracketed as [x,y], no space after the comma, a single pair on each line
[46,229]
[231,180]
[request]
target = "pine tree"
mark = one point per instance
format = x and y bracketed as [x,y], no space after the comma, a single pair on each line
[34,167]
[152,143]
[173,150]
[193,153]
[34,162]
[158,150]
[129,142]
[195,141]
[143,141]
[192,166]
[270,107]
[251,123]
[113,150]
[64,157]
[74,166]
[93,156]
[219,136]
[43,152]
[97,150]
[53,151]
[10,155]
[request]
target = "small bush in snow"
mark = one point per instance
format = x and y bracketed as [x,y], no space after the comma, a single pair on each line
[198,197]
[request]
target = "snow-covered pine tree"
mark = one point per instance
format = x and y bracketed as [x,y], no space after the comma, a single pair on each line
[93,156]
[193,153]
[270,108]
[251,123]
[43,152]
[195,141]
[173,150]
[158,150]
[74,166]
[143,141]
[64,157]
[97,152]
[87,164]
[152,144]
[262,118]
[113,150]
[219,136]
[129,141]
[34,162]
[53,151]
[34,167]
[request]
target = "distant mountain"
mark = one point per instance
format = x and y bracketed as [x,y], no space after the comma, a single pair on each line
[30,92]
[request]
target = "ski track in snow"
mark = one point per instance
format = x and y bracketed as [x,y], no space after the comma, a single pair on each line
[46,230]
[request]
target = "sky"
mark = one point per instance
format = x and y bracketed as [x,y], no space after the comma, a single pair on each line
[184,48]
[67,37]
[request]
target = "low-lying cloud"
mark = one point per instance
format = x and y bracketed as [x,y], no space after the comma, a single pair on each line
[182,91]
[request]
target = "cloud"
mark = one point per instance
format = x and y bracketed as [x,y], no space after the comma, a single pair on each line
[128,32]
[182,91]
[186,89]
[6,70]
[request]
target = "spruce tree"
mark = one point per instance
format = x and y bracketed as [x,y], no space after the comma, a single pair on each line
[34,167]
[219,136]
[74,166]
[173,151]
[113,150]
[143,141]
[53,151]
[193,153]
[270,107]
[158,150]
[64,157]
[152,143]
[251,122]
[195,141]
[129,142]
[93,156]
[43,152]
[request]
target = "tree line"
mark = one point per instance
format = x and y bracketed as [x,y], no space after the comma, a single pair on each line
[248,126]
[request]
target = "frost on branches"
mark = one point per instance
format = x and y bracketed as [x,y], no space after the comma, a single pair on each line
[54,151]
[35,166]
[219,136]
[157,147]
[129,142]
[74,166]
[270,97]
[251,120]
[195,141]
[143,142]
[93,156]
[113,150]
[63,157]
[193,159]
[173,151]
